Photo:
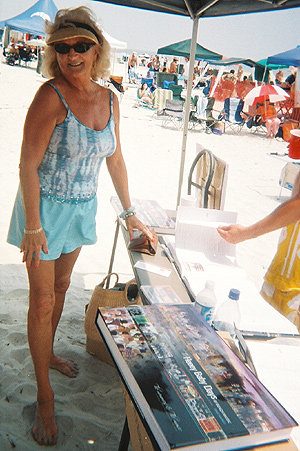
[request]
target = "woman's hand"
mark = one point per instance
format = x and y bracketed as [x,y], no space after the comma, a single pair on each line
[134,223]
[31,247]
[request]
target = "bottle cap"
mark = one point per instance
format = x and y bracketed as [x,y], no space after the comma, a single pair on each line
[234,294]
[210,284]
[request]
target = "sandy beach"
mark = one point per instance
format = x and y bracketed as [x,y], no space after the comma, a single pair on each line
[90,407]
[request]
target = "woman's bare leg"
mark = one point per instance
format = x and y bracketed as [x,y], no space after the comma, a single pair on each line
[63,270]
[41,305]
[43,317]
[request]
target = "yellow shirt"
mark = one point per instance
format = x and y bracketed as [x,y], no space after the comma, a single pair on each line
[284,271]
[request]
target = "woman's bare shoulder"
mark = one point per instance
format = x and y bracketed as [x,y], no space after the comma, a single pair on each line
[46,93]
[47,103]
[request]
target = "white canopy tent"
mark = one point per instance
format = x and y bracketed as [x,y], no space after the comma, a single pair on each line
[115,45]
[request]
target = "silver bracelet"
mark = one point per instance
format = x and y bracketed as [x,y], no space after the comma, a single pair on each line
[128,210]
[127,215]
[33,231]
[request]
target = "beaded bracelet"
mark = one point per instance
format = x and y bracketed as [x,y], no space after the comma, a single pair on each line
[126,212]
[33,232]
[127,215]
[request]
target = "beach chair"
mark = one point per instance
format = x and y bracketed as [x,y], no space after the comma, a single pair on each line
[140,103]
[161,76]
[256,124]
[115,84]
[202,116]
[288,176]
[232,114]
[173,113]
[289,122]
[149,81]
[208,176]
[176,89]
[160,96]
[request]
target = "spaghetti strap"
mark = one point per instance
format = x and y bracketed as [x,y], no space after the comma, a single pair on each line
[59,94]
[111,102]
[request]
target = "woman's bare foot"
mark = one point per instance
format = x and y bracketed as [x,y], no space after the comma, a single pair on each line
[66,367]
[45,431]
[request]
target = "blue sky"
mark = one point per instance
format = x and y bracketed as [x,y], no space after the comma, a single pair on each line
[253,36]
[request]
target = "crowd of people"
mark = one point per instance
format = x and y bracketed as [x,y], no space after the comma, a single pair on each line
[16,52]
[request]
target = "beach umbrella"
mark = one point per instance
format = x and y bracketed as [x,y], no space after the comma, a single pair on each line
[36,43]
[261,93]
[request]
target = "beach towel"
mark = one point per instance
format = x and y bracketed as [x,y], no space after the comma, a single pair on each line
[282,283]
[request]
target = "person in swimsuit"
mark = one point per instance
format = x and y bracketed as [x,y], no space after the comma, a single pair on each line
[72,125]
[145,93]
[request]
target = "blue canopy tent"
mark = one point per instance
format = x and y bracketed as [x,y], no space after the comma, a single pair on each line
[289,58]
[33,19]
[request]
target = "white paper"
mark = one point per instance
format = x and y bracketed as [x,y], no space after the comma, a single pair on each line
[196,230]
[152,268]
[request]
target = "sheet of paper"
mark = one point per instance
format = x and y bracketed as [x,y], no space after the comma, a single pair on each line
[196,230]
[152,268]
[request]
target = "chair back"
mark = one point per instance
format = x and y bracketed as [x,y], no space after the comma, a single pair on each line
[233,108]
[174,105]
[288,176]
[176,89]
[161,76]
[201,106]
[149,82]
[208,175]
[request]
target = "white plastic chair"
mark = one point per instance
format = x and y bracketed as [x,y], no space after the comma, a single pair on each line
[288,176]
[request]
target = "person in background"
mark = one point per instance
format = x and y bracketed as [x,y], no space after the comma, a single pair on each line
[156,64]
[71,127]
[133,67]
[240,73]
[186,70]
[145,93]
[281,287]
[166,64]
[173,65]
[290,80]
[268,113]
[279,78]
[206,89]
[133,61]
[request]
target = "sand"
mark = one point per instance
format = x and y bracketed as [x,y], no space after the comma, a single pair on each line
[91,406]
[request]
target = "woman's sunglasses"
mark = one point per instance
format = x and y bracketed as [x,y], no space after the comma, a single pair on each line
[79,47]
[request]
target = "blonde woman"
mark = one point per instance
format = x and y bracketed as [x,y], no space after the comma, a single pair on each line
[72,125]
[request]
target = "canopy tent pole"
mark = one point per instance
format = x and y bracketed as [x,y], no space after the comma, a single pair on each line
[187,105]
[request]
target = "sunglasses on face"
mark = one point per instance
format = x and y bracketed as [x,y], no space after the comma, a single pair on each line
[79,47]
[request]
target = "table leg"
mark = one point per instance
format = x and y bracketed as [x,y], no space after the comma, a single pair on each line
[112,258]
[125,437]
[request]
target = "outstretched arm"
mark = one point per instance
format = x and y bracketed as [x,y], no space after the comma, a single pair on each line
[287,213]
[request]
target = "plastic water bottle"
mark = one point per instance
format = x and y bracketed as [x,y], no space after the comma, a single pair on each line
[228,314]
[206,301]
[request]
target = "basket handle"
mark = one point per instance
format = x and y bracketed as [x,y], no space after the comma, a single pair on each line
[107,279]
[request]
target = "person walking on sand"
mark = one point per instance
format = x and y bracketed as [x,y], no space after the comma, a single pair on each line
[72,125]
[281,287]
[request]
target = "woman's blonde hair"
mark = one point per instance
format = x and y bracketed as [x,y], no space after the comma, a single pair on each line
[84,15]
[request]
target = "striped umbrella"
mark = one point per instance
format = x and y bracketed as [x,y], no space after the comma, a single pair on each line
[261,93]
